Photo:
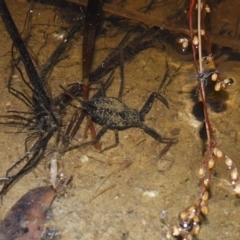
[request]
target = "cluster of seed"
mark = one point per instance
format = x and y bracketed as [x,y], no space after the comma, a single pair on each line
[214,74]
[216,154]
[234,174]
[221,84]
[195,40]
[182,44]
[188,224]
[189,220]
[207,8]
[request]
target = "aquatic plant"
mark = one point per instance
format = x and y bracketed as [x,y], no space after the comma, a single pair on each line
[189,220]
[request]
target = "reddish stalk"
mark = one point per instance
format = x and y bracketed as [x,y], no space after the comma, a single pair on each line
[209,130]
[190,25]
[189,220]
[90,125]
[190,13]
[94,8]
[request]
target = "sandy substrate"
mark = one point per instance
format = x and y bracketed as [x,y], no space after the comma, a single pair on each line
[125,193]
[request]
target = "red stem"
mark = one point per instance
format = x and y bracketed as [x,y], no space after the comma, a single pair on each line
[190,11]
[190,25]
[86,87]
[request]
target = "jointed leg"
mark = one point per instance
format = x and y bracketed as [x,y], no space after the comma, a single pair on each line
[156,136]
[96,139]
[148,104]
[116,141]
[120,94]
[73,126]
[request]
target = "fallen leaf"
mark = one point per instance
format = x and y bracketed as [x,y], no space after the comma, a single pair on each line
[26,218]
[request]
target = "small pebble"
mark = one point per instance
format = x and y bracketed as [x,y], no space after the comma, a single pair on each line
[84,159]
[151,193]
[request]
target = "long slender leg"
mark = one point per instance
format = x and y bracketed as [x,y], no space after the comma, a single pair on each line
[116,141]
[148,104]
[156,136]
[166,75]
[120,94]
[104,86]
[96,139]
[73,127]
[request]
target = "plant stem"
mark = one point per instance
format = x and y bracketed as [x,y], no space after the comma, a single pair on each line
[199,38]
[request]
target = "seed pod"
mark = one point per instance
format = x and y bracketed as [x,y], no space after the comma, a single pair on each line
[191,208]
[206,182]
[204,210]
[191,215]
[195,40]
[217,86]
[196,229]
[183,216]
[175,231]
[202,32]
[228,161]
[223,85]
[185,44]
[237,188]
[211,163]
[181,44]
[209,58]
[201,172]
[201,5]
[205,196]
[214,77]
[169,235]
[234,174]
[196,219]
[207,9]
[228,81]
[217,152]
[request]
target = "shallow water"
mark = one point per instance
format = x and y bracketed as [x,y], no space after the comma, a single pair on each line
[124,193]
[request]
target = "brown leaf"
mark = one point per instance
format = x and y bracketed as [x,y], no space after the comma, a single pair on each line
[26,218]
